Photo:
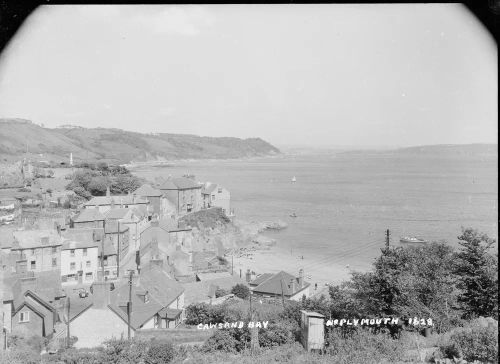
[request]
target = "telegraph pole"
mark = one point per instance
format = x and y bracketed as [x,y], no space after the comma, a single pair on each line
[129,303]
[118,255]
[67,327]
[387,234]
[282,294]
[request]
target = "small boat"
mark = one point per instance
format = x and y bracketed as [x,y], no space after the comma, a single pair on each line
[412,239]
[294,179]
[293,214]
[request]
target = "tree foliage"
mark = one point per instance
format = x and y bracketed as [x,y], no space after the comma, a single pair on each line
[477,273]
[240,290]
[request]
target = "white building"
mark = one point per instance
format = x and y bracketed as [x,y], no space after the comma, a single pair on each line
[216,196]
[79,262]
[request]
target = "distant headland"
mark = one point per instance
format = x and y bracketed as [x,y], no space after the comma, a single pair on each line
[18,136]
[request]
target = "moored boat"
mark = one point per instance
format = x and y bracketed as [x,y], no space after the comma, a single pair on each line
[412,239]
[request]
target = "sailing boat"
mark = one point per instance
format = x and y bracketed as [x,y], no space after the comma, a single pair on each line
[294,179]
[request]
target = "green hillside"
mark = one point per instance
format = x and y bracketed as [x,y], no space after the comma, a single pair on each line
[116,145]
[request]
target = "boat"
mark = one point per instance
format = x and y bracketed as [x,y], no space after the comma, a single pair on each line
[294,179]
[293,214]
[412,239]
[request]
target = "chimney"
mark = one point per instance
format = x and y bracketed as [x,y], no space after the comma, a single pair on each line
[28,283]
[248,276]
[157,262]
[301,278]
[101,293]
[108,193]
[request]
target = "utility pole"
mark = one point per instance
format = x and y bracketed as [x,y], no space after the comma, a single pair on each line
[387,234]
[282,294]
[129,304]
[118,255]
[67,328]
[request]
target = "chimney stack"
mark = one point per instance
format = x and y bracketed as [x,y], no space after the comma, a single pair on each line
[248,276]
[301,278]
[101,294]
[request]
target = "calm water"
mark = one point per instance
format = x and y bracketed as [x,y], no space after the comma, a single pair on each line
[344,203]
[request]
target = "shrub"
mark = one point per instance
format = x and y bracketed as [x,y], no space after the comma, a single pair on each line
[159,352]
[476,343]
[241,291]
[221,340]
[220,293]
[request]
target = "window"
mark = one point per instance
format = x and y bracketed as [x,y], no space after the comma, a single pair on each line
[54,250]
[72,266]
[88,276]
[54,262]
[213,197]
[33,264]
[72,252]
[85,252]
[219,190]
[106,273]
[88,264]
[24,317]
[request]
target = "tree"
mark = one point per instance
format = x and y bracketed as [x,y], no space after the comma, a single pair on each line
[219,292]
[240,290]
[477,271]
[98,186]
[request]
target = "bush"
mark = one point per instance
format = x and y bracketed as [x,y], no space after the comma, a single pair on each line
[219,292]
[476,343]
[221,340]
[241,291]
[159,352]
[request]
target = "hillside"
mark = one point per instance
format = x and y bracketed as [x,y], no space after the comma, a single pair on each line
[116,145]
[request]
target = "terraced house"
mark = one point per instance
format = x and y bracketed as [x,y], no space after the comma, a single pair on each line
[184,193]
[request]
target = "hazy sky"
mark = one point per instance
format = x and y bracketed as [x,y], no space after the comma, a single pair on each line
[389,74]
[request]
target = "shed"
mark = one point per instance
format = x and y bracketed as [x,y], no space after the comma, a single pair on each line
[313,330]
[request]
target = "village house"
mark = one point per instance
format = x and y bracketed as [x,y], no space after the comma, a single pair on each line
[88,218]
[281,283]
[184,193]
[79,262]
[31,301]
[160,205]
[134,218]
[95,323]
[203,290]
[155,237]
[214,195]
[106,203]
[157,303]
[108,261]
[119,236]
[37,250]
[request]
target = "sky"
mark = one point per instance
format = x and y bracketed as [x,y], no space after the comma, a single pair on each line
[305,75]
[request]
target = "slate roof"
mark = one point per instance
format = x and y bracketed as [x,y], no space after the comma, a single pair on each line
[71,244]
[33,238]
[87,215]
[273,285]
[212,275]
[46,285]
[170,313]
[261,278]
[148,191]
[117,200]
[180,183]
[208,190]
[199,291]
[112,228]
[161,289]
[84,234]
[117,213]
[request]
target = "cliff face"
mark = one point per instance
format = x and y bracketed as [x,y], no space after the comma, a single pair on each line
[116,145]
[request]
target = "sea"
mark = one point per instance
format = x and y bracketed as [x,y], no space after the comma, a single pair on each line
[345,202]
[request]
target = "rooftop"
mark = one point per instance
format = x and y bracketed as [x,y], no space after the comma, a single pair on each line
[180,183]
[116,200]
[148,191]
[89,215]
[280,282]
[33,238]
